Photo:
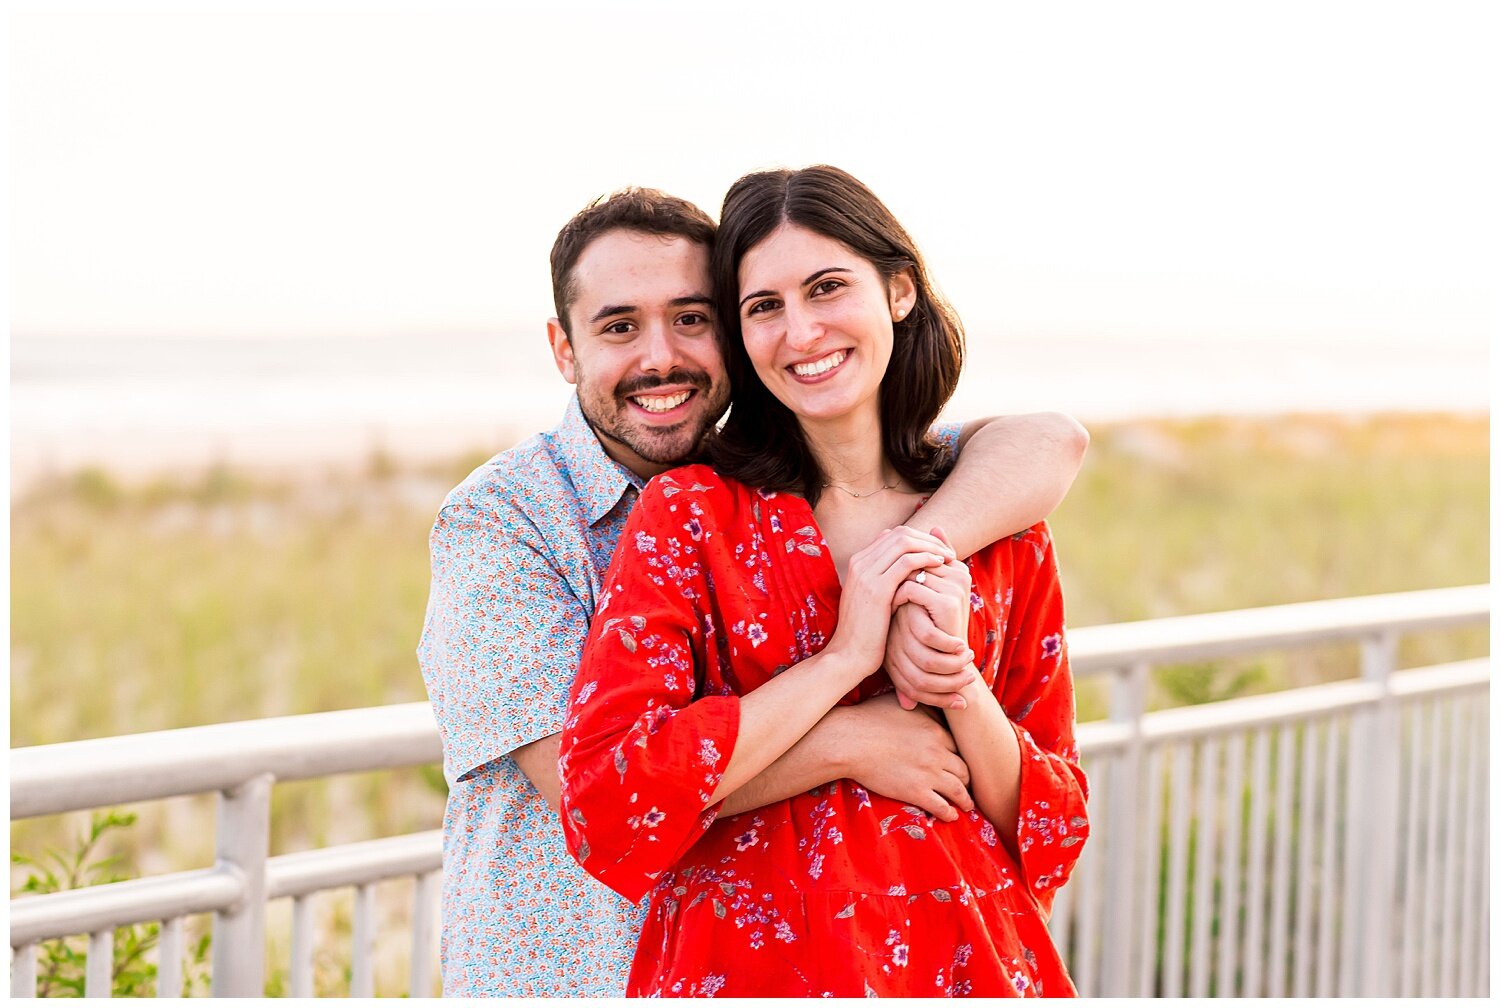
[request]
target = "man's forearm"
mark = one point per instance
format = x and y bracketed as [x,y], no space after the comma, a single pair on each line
[1011,473]
[538,761]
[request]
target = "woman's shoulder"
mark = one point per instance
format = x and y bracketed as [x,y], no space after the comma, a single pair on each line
[699,481]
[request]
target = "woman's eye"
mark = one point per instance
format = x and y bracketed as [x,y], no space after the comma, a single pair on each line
[761,307]
[827,286]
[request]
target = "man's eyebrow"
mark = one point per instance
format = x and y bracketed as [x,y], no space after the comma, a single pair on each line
[613,309]
[630,309]
[811,279]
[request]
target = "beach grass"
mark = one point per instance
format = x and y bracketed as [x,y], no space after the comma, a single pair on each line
[225,595]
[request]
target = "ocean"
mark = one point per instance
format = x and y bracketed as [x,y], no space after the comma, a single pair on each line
[137,405]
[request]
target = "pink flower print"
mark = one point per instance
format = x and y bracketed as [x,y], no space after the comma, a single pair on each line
[899,954]
[708,753]
[695,529]
[1020,983]
[756,633]
[975,602]
[645,543]
[746,840]
[712,985]
[961,955]
[654,818]
[1051,645]
[776,523]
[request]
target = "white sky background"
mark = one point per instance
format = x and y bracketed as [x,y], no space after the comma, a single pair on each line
[1125,170]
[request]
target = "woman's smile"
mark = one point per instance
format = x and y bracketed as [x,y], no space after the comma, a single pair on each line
[821,369]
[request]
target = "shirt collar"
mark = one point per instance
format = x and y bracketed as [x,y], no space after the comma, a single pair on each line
[599,480]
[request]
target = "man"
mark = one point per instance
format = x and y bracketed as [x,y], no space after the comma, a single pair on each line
[518,553]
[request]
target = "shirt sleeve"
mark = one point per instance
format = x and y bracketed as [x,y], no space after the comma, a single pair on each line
[1037,695]
[946,434]
[642,752]
[502,637]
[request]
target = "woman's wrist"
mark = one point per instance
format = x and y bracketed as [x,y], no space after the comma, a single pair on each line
[851,664]
[974,694]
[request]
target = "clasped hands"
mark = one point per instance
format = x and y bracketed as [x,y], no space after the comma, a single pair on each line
[927,653]
[927,590]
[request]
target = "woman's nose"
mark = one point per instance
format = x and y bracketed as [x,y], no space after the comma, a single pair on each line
[803,330]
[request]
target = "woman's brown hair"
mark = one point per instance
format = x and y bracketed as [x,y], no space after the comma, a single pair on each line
[761,444]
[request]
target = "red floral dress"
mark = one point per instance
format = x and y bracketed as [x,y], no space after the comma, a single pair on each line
[714,589]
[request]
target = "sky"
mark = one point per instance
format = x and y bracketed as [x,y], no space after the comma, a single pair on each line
[1117,171]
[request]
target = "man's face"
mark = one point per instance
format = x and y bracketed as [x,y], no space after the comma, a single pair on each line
[643,351]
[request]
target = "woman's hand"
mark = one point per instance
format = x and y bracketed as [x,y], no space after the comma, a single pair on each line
[870,584]
[934,666]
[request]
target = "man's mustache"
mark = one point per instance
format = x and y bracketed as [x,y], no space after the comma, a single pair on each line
[645,383]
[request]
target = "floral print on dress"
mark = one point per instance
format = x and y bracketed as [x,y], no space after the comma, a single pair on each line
[837,891]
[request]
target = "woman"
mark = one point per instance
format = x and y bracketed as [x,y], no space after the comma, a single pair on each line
[751,596]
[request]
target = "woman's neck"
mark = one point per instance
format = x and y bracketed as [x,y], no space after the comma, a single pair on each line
[850,452]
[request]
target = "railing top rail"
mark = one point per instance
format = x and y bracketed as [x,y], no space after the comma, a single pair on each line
[48,779]
[1097,649]
[128,768]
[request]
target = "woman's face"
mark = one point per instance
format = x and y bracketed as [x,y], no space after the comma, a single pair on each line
[817,322]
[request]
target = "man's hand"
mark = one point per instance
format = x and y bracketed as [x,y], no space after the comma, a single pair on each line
[929,659]
[908,756]
[927,665]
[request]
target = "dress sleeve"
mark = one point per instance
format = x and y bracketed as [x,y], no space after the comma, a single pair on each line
[642,752]
[502,635]
[1037,695]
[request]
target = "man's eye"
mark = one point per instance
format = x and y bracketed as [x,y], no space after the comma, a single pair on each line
[693,319]
[621,328]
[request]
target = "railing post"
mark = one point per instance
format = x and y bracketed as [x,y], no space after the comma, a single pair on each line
[243,842]
[1127,705]
[23,971]
[1375,767]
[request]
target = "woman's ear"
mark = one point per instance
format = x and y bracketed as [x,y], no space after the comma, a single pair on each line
[902,290]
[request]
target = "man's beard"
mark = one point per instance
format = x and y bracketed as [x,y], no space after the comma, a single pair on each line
[609,416]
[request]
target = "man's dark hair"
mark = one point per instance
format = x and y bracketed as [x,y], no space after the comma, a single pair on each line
[650,211]
[761,443]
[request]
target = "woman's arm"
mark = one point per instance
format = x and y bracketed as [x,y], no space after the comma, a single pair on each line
[1018,740]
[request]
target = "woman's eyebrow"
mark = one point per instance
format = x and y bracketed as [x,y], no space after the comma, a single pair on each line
[821,272]
[811,279]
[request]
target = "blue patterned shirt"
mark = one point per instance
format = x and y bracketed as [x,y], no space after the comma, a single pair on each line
[518,553]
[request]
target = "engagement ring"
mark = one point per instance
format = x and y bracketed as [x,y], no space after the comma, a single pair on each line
[921,577]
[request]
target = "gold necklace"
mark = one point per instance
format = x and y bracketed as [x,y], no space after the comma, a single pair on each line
[857,496]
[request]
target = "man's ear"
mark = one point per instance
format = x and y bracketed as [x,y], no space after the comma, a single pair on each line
[562,350]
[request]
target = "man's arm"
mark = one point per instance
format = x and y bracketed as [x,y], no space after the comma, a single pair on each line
[1011,473]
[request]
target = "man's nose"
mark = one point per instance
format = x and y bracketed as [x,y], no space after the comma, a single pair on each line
[659,349]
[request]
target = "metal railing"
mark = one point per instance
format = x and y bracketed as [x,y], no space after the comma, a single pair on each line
[1327,840]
